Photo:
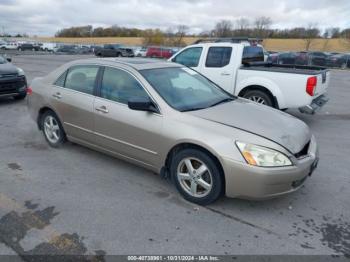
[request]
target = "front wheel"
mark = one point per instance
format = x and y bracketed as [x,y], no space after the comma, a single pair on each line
[52,129]
[196,176]
[259,97]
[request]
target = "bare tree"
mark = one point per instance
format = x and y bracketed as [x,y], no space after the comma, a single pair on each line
[242,26]
[332,32]
[223,29]
[311,33]
[180,34]
[262,24]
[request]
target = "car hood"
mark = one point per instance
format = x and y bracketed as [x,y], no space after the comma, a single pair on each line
[283,129]
[7,68]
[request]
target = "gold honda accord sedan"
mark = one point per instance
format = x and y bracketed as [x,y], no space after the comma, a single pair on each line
[174,121]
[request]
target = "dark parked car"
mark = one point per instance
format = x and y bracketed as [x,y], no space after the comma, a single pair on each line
[28,46]
[114,50]
[317,58]
[13,82]
[159,52]
[273,58]
[339,60]
[285,58]
[68,49]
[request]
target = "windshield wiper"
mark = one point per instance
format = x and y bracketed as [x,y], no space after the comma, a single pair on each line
[193,109]
[226,100]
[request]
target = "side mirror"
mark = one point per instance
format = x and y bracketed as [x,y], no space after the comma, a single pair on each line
[142,104]
[9,59]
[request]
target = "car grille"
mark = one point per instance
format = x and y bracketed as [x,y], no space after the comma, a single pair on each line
[303,152]
[7,75]
[11,85]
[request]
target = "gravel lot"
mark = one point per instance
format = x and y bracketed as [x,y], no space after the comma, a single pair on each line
[75,200]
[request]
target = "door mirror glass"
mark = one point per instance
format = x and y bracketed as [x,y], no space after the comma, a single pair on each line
[142,104]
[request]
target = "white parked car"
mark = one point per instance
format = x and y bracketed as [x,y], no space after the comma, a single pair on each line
[239,68]
[49,47]
[140,51]
[9,46]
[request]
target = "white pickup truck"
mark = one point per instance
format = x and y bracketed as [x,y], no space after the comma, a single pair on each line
[239,68]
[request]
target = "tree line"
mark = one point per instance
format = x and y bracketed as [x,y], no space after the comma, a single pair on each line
[259,27]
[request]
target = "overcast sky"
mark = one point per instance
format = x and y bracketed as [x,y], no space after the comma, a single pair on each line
[45,17]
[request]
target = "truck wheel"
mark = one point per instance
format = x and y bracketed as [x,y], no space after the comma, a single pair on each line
[259,97]
[196,176]
[343,66]
[118,55]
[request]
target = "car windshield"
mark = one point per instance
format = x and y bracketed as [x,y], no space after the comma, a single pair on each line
[2,60]
[184,89]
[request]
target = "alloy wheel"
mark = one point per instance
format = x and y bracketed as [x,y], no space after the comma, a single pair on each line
[194,177]
[257,99]
[52,129]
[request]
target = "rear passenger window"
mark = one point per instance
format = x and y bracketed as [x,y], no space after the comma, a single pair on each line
[120,86]
[252,54]
[189,57]
[60,81]
[82,78]
[218,56]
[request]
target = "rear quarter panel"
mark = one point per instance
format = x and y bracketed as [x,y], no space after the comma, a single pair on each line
[288,88]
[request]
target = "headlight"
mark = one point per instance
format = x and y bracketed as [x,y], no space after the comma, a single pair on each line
[262,156]
[20,72]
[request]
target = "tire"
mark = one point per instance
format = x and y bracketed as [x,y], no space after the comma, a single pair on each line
[260,97]
[118,55]
[343,66]
[189,182]
[55,127]
[20,96]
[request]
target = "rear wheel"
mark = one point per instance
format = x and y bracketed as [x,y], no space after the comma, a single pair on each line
[196,176]
[52,129]
[259,97]
[343,66]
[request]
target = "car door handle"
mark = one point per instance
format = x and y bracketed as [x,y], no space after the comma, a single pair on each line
[225,74]
[57,95]
[102,109]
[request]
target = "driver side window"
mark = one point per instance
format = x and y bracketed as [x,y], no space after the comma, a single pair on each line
[120,86]
[189,57]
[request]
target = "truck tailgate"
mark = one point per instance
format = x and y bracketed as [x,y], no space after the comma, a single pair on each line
[323,79]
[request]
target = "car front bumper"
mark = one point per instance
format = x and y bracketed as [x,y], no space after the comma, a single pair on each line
[259,183]
[12,86]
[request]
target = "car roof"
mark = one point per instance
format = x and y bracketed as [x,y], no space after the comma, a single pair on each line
[136,63]
[215,44]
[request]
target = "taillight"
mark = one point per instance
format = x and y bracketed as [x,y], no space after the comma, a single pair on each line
[29,90]
[310,85]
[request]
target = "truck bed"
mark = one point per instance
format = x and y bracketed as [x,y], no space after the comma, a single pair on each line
[292,69]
